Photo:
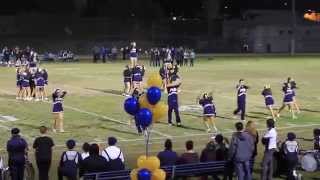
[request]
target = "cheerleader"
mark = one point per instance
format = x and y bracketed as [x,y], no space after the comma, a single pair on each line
[45,77]
[137,76]
[25,83]
[127,75]
[57,110]
[39,82]
[136,94]
[172,89]
[287,99]
[293,87]
[241,99]
[133,55]
[209,112]
[268,99]
[19,83]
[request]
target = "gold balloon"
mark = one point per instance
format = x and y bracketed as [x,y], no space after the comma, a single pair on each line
[158,174]
[154,80]
[159,111]
[151,162]
[134,174]
[144,103]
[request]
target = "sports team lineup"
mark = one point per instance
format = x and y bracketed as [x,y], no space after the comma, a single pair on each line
[32,86]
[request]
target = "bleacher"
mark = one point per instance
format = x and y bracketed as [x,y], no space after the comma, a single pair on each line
[185,170]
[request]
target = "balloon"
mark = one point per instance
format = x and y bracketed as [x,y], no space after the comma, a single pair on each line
[154,80]
[144,174]
[158,174]
[131,106]
[134,174]
[159,111]
[144,117]
[154,95]
[144,103]
[151,162]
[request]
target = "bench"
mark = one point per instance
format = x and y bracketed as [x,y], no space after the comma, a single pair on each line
[196,169]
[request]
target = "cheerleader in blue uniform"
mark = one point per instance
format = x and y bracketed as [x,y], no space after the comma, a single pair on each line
[294,87]
[19,83]
[40,82]
[209,112]
[241,98]
[45,76]
[268,99]
[172,89]
[25,83]
[127,75]
[287,99]
[137,77]
[133,55]
[57,110]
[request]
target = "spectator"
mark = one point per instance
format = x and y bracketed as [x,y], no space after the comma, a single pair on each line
[240,152]
[16,148]
[189,156]
[316,139]
[94,163]
[209,154]
[252,130]
[113,155]
[270,141]
[222,145]
[1,167]
[96,53]
[114,53]
[103,54]
[85,149]
[168,157]
[291,150]
[69,162]
[43,152]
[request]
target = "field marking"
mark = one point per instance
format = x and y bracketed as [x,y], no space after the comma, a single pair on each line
[93,114]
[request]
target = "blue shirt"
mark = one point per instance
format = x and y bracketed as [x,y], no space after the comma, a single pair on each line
[16,148]
[167,158]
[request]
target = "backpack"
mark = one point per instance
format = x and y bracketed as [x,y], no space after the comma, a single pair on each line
[115,164]
[69,168]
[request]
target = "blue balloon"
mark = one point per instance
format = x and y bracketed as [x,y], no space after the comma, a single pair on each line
[131,106]
[144,174]
[143,118]
[154,95]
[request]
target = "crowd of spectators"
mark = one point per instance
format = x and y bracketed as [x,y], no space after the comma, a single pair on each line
[17,56]
[239,153]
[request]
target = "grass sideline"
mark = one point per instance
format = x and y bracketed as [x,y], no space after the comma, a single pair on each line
[93,107]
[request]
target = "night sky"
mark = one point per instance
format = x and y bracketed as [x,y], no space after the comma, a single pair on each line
[169,8]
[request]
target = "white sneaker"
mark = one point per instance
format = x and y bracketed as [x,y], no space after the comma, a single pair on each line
[278,115]
[36,100]
[17,97]
[62,131]
[294,117]
[54,130]
[208,130]
[46,99]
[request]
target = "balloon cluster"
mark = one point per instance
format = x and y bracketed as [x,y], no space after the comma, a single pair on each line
[148,169]
[148,108]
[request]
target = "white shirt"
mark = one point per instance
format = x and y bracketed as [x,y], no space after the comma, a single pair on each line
[1,163]
[84,155]
[71,155]
[113,152]
[272,136]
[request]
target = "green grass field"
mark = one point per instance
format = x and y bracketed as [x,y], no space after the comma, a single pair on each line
[93,107]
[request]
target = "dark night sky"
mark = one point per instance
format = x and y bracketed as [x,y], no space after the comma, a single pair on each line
[187,8]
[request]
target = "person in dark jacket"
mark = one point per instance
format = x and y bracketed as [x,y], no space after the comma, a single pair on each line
[241,149]
[69,162]
[16,148]
[94,163]
[168,157]
[43,147]
[190,156]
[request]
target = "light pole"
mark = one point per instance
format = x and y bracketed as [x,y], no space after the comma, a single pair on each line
[294,24]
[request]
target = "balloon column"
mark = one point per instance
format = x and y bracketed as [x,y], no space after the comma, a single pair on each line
[146,110]
[148,169]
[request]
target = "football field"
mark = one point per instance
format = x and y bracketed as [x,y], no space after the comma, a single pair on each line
[94,104]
